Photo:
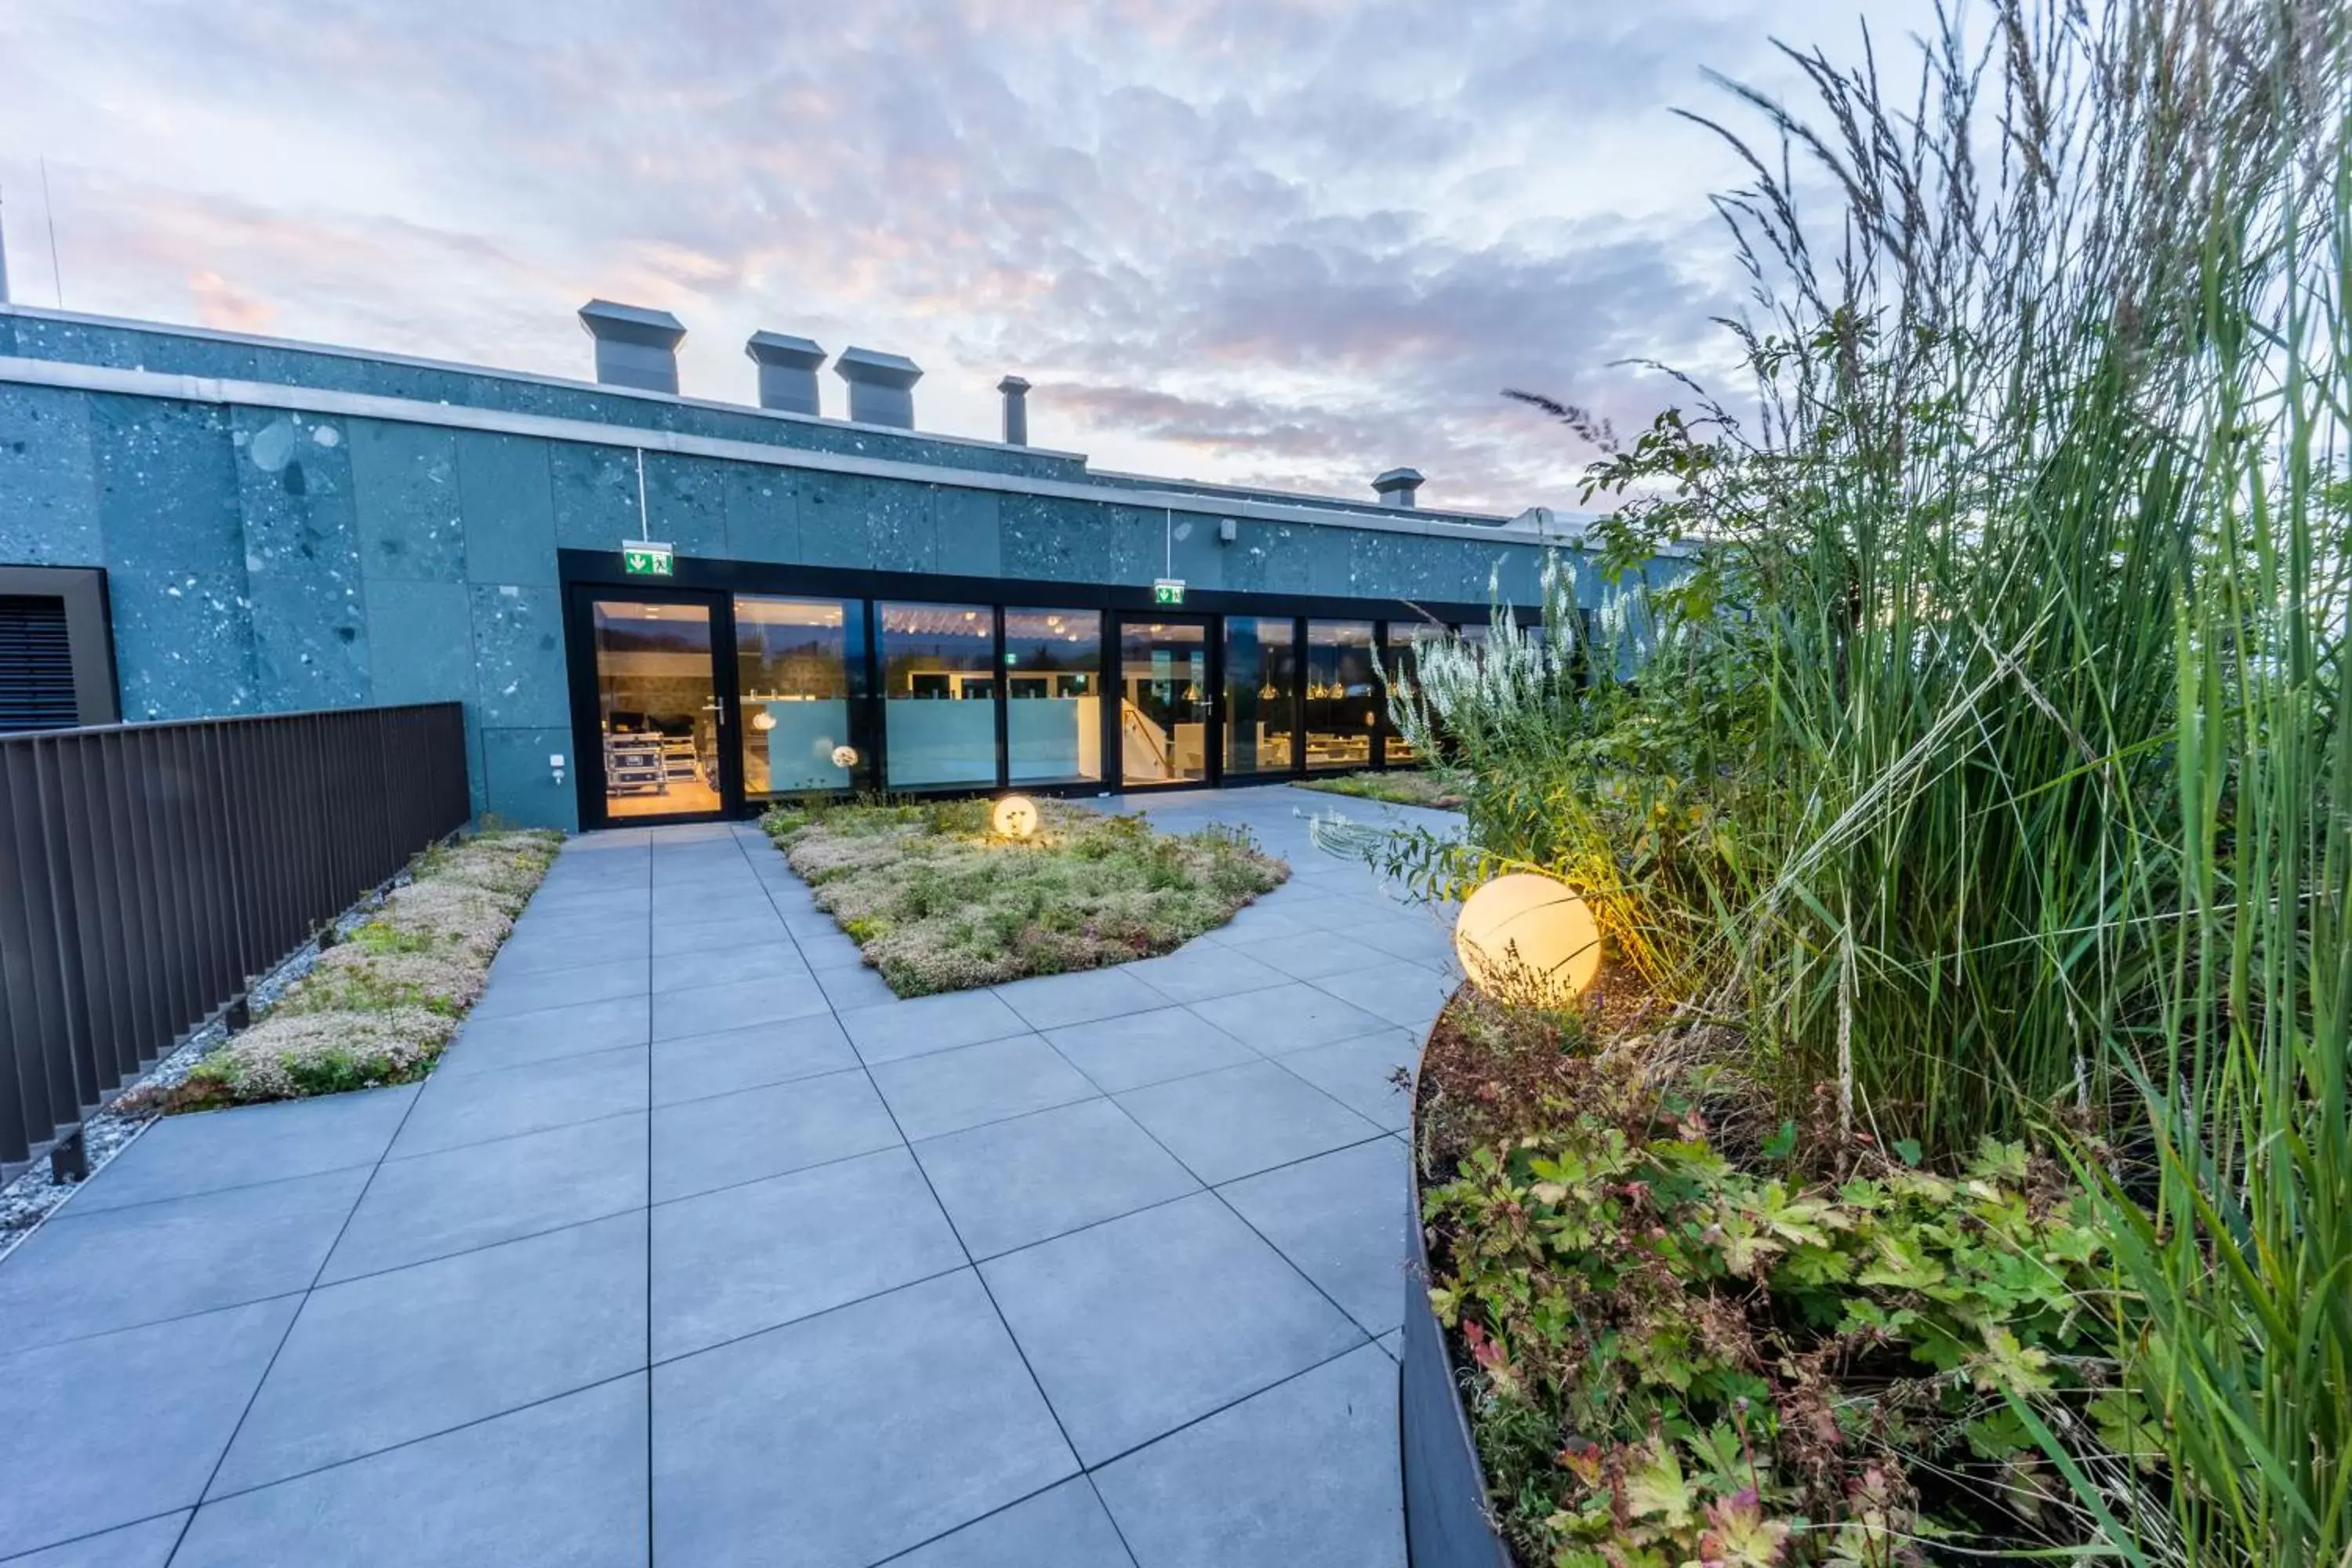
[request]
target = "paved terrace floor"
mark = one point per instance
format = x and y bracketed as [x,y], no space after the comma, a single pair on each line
[700,1249]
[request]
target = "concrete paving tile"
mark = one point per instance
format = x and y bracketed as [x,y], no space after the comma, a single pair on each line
[1051,1001]
[112,1429]
[430,1206]
[563,989]
[472,1108]
[1287,1018]
[147,1545]
[1303,1476]
[529,953]
[1398,992]
[949,1089]
[707,1009]
[898,1030]
[895,1419]
[675,936]
[730,1263]
[1341,1218]
[707,1143]
[559,1485]
[1065,1526]
[776,959]
[836,951]
[1315,954]
[1147,1047]
[1010,1184]
[1361,1074]
[1202,969]
[852,986]
[398,1356]
[696,1067]
[522,1040]
[88,1274]
[181,1157]
[1145,1322]
[1238,1121]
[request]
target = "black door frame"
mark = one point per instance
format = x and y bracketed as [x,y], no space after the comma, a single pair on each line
[587,715]
[1213,738]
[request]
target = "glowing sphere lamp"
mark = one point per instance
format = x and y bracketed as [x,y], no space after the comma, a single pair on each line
[1528,938]
[1015,817]
[844,756]
[763,721]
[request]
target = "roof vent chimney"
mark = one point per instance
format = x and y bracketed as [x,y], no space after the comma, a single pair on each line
[788,368]
[1016,410]
[881,386]
[1398,487]
[634,346]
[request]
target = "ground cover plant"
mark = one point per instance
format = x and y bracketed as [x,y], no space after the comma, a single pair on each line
[1435,788]
[380,1004]
[1971,811]
[938,902]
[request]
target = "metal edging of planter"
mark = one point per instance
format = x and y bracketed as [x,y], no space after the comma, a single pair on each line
[1447,1522]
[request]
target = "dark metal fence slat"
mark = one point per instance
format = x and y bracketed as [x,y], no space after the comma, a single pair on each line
[148,871]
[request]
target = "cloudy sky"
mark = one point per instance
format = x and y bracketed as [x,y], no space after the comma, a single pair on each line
[1290,242]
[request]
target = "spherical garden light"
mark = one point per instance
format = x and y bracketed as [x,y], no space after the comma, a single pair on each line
[1528,938]
[763,721]
[844,756]
[1015,817]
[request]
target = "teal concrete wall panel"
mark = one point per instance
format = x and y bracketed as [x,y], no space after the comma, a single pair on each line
[763,513]
[901,525]
[971,542]
[595,494]
[48,479]
[686,504]
[1330,560]
[520,786]
[1380,565]
[519,656]
[833,527]
[1139,541]
[1268,558]
[421,640]
[79,342]
[509,503]
[1519,571]
[405,490]
[1048,539]
[1199,556]
[167,498]
[301,559]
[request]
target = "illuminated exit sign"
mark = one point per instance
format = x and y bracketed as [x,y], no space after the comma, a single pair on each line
[1168,591]
[643,558]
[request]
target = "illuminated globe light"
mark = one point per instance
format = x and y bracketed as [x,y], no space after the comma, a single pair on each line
[1527,933]
[764,719]
[844,756]
[1015,817]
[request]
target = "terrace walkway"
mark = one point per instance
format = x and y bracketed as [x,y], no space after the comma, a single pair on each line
[700,1249]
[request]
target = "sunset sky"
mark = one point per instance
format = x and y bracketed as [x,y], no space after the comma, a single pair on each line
[1290,242]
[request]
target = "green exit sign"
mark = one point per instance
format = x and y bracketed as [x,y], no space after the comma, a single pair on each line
[1168,591]
[643,558]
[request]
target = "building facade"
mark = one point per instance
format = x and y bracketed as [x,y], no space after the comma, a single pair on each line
[658,608]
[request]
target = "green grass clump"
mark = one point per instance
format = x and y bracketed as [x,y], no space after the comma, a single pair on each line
[1437,789]
[379,1006]
[939,903]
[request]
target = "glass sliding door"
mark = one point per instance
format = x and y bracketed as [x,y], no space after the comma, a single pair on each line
[939,691]
[800,667]
[1053,696]
[1166,705]
[656,708]
[1401,654]
[1261,694]
[1343,695]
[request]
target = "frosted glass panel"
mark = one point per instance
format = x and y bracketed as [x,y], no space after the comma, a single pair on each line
[798,663]
[942,743]
[938,683]
[1052,708]
[801,741]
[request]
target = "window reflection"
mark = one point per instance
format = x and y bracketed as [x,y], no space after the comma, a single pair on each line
[1053,710]
[939,687]
[1342,694]
[797,663]
[1261,694]
[1164,701]
[1402,655]
[658,705]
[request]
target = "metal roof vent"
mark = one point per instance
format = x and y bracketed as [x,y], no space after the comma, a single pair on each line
[1016,410]
[634,347]
[788,367]
[1398,487]
[881,386]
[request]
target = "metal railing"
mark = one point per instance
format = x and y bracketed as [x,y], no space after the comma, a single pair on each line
[148,872]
